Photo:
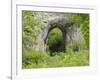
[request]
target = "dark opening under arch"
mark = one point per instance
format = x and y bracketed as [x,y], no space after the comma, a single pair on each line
[60,45]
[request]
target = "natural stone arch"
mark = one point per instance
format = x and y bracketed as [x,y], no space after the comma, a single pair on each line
[63,35]
[70,31]
[60,23]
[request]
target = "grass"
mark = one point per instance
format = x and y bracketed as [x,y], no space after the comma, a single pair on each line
[36,59]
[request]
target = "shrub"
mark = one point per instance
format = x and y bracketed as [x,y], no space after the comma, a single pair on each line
[36,59]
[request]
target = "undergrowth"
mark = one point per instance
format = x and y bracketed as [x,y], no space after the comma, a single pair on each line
[36,59]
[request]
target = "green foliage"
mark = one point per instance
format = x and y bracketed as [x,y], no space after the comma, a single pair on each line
[36,59]
[31,26]
[82,20]
[32,57]
[55,40]
[76,59]
[75,55]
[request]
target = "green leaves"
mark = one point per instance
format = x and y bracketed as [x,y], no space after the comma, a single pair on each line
[31,28]
[82,20]
[55,40]
[36,59]
[74,55]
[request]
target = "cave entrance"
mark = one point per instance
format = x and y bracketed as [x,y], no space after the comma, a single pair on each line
[56,40]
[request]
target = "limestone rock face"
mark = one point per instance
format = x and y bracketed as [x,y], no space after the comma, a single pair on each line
[73,34]
[70,31]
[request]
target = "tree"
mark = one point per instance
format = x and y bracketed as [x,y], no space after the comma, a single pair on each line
[31,26]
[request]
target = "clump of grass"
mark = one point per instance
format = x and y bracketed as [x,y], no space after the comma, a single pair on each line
[76,59]
[36,59]
[32,58]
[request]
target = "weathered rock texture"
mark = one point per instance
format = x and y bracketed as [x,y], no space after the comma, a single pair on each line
[70,31]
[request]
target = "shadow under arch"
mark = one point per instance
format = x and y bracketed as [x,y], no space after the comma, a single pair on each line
[62,29]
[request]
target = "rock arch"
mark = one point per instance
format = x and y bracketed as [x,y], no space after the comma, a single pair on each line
[62,24]
[63,31]
[70,31]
